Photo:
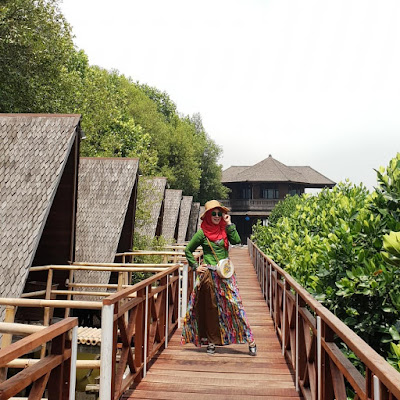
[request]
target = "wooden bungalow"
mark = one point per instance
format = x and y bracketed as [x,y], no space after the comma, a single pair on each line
[107,193]
[151,199]
[38,192]
[193,220]
[255,190]
[172,203]
[184,214]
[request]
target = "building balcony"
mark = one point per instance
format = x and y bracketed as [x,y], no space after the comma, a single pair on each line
[243,205]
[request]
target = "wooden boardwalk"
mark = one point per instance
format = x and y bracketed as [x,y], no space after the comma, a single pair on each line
[182,372]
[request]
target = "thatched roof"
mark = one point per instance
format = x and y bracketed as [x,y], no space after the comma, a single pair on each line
[202,209]
[34,152]
[313,176]
[184,214]
[150,197]
[172,203]
[105,189]
[230,174]
[193,220]
[271,170]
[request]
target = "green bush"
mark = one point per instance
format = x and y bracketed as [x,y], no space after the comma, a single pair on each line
[338,244]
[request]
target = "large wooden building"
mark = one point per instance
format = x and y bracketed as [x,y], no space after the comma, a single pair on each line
[255,190]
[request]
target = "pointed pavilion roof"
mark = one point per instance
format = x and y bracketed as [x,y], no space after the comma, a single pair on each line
[271,170]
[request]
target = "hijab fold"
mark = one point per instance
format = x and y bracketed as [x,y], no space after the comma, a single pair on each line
[214,232]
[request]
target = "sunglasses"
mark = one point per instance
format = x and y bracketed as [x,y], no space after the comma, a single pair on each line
[214,213]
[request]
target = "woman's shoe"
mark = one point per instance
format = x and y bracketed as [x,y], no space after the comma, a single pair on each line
[211,349]
[252,349]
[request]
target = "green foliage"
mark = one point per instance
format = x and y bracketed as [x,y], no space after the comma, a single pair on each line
[332,244]
[141,242]
[284,208]
[37,57]
[42,72]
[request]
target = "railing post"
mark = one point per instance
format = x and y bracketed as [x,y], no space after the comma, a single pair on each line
[297,342]
[263,275]
[146,318]
[270,289]
[180,285]
[284,317]
[185,277]
[319,359]
[106,352]
[166,314]
[74,352]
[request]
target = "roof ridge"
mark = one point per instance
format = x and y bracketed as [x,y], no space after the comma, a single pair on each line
[278,166]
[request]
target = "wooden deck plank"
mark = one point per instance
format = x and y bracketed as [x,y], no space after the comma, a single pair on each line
[182,372]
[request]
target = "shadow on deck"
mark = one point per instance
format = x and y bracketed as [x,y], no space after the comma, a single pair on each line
[182,372]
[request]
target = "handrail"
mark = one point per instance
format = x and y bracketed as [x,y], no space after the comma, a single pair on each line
[51,370]
[307,331]
[139,326]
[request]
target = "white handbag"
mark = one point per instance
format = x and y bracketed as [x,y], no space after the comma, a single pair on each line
[225,267]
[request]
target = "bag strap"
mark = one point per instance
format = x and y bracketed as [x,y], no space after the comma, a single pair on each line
[209,243]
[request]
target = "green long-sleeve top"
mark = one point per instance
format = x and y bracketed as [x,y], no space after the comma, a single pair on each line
[199,239]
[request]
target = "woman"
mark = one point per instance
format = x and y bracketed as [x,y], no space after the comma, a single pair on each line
[215,312]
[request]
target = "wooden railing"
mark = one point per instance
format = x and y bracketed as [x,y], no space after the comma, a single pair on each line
[251,204]
[136,320]
[56,371]
[308,333]
[135,328]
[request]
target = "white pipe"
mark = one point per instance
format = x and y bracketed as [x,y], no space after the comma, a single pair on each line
[166,315]
[297,341]
[146,311]
[185,277]
[319,357]
[106,352]
[74,352]
[377,389]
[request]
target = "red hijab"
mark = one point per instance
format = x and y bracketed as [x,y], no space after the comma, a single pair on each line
[214,232]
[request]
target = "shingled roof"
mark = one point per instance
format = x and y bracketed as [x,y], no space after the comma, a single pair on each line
[172,203]
[34,152]
[271,170]
[193,220]
[150,196]
[184,214]
[105,190]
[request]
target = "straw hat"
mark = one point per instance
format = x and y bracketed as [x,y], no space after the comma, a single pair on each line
[213,204]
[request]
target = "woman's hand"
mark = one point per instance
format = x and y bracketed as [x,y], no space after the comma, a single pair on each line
[227,219]
[201,269]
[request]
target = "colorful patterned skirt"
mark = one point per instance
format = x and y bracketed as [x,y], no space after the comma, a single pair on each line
[215,312]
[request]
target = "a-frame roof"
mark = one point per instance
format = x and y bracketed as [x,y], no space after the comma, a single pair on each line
[184,214]
[172,203]
[193,220]
[34,153]
[150,196]
[104,191]
[271,170]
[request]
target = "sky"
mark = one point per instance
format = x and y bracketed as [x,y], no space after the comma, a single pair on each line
[310,82]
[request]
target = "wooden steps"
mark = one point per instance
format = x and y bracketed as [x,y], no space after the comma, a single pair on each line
[182,372]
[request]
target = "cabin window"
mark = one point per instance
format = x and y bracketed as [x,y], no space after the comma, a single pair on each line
[246,192]
[269,193]
[293,191]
